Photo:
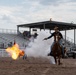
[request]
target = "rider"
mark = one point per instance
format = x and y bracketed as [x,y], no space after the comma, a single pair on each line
[60,40]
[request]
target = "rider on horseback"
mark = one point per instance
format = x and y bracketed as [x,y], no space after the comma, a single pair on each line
[56,33]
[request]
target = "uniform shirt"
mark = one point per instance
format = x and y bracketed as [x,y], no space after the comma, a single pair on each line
[55,34]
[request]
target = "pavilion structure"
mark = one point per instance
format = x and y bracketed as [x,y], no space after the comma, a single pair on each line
[50,26]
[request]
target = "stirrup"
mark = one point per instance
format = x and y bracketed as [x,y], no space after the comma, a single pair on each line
[50,54]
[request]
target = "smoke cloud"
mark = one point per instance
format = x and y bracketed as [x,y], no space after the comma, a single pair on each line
[39,47]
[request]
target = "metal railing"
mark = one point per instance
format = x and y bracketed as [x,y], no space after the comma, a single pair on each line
[3,53]
[8,31]
[4,43]
[69,41]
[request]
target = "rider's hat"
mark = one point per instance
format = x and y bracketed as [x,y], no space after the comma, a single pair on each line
[55,28]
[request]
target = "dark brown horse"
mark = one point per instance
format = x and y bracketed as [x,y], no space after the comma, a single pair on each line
[57,50]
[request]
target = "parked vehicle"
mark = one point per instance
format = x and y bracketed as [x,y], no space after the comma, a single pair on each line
[72,53]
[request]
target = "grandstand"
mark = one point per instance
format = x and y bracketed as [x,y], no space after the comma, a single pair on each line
[7,38]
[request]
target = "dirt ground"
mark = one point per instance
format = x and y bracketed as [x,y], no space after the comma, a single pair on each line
[36,66]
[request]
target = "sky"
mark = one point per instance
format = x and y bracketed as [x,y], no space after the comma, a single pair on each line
[15,12]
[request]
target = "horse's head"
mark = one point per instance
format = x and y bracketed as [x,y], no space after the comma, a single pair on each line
[56,44]
[57,38]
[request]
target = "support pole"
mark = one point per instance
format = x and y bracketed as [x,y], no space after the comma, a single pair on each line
[65,36]
[17,29]
[74,36]
[40,29]
[30,30]
[44,27]
[50,31]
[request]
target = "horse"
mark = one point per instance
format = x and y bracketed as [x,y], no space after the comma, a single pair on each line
[57,50]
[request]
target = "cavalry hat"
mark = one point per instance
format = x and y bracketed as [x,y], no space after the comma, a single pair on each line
[55,27]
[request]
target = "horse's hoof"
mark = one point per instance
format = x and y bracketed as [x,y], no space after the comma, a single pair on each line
[60,63]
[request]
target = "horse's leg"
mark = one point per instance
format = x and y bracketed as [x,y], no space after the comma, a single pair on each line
[59,62]
[55,59]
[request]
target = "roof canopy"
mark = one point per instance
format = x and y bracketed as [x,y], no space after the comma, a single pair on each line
[50,25]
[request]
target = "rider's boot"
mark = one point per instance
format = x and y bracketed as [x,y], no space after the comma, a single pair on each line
[50,54]
[63,55]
